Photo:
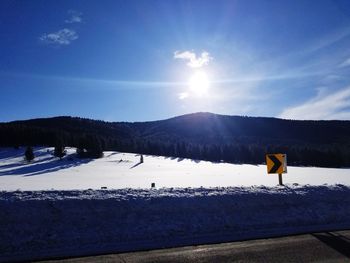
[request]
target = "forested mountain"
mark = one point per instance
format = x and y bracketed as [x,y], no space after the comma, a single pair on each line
[204,136]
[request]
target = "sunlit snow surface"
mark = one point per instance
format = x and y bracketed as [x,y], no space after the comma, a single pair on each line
[194,202]
[123,170]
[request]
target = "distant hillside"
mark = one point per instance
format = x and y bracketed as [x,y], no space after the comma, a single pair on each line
[200,135]
[213,128]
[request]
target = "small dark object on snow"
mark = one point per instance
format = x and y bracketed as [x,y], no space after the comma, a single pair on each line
[103,187]
[28,154]
[141,158]
[153,185]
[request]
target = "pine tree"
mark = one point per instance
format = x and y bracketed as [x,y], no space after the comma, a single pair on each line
[90,147]
[81,147]
[80,152]
[59,151]
[95,148]
[28,154]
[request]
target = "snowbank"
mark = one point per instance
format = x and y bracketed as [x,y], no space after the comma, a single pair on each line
[78,219]
[42,224]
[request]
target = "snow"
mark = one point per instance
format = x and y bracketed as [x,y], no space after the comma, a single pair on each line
[123,170]
[44,224]
[194,202]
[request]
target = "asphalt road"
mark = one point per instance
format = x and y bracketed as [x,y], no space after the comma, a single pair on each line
[319,247]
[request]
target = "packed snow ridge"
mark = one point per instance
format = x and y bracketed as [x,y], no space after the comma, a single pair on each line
[44,224]
[77,219]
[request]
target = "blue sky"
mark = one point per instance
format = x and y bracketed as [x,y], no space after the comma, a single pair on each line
[149,60]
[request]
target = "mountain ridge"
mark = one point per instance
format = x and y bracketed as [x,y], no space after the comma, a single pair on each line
[201,135]
[174,117]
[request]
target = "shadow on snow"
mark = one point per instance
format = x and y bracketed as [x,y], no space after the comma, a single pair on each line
[47,165]
[132,167]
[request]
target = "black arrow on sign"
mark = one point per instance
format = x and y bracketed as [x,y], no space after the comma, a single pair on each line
[276,164]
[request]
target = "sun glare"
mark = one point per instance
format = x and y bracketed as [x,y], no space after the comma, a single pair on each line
[199,83]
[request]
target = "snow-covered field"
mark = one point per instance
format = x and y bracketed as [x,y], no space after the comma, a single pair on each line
[235,202]
[123,170]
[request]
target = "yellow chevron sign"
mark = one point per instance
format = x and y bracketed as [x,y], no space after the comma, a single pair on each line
[276,163]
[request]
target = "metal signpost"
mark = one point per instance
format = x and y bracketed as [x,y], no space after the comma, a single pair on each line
[277,164]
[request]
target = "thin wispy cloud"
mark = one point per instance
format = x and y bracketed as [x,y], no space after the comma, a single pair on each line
[74,17]
[183,95]
[192,60]
[329,40]
[64,36]
[322,107]
[98,83]
[267,77]
[345,63]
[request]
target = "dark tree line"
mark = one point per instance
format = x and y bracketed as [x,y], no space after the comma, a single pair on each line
[234,141]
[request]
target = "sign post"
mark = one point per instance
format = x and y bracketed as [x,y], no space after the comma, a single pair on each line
[280,179]
[277,164]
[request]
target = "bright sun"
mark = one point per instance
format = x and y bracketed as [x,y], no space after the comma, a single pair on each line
[199,83]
